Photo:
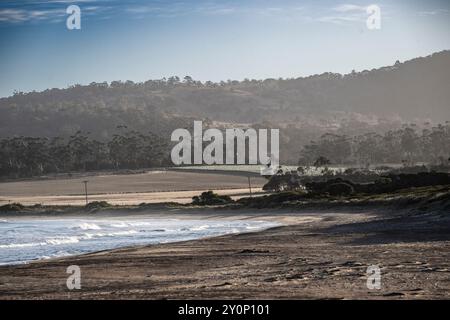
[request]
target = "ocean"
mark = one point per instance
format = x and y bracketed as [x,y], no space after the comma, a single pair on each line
[26,239]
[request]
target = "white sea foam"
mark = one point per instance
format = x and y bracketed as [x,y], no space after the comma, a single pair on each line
[62,240]
[23,240]
[119,225]
[108,234]
[88,226]
[68,240]
[251,227]
[21,245]
[200,228]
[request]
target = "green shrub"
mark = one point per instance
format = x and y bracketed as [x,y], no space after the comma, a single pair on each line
[273,200]
[12,207]
[210,198]
[97,205]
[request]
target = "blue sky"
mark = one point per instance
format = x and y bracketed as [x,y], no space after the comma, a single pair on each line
[209,40]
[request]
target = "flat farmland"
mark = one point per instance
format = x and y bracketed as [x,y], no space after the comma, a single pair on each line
[150,187]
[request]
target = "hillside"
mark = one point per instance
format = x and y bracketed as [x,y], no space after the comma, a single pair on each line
[416,90]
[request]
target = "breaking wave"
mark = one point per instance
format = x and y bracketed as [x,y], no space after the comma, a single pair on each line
[23,240]
[88,226]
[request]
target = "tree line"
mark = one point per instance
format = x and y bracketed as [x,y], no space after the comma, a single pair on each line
[25,156]
[34,156]
[408,145]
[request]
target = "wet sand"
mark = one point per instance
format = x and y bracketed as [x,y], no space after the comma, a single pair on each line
[314,255]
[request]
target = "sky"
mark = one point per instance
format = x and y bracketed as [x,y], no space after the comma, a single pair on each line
[209,39]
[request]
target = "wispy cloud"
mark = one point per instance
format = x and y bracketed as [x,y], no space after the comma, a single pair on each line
[12,15]
[174,9]
[22,11]
[49,10]
[340,19]
[343,14]
[23,15]
[15,12]
[54,10]
[210,8]
[347,7]
[433,12]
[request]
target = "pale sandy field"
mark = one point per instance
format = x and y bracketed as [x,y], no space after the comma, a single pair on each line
[127,189]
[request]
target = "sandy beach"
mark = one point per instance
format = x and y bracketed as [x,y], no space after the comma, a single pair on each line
[312,255]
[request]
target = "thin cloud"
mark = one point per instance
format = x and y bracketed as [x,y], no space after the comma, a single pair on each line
[179,9]
[22,15]
[210,9]
[53,10]
[433,12]
[344,14]
[350,8]
[14,12]
[12,15]
[341,20]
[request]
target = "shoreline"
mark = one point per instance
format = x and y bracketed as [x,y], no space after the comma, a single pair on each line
[323,256]
[282,218]
[154,214]
[175,211]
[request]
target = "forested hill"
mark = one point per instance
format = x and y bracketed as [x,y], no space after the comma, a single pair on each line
[418,89]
